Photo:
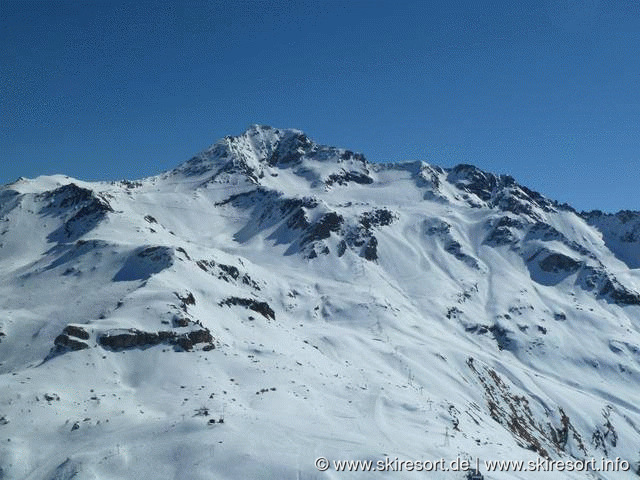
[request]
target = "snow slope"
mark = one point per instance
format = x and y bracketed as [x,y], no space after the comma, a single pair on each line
[271,301]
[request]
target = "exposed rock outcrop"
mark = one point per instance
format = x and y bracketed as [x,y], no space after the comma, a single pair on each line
[262,308]
[122,339]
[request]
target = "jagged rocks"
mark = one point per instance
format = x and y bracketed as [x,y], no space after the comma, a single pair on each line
[70,340]
[361,235]
[132,338]
[296,213]
[473,180]
[52,397]
[499,191]
[502,336]
[560,435]
[428,177]
[344,178]
[454,248]
[185,300]
[189,340]
[155,254]
[370,251]
[442,230]
[518,415]
[549,267]
[202,163]
[516,201]
[545,232]
[204,265]
[181,322]
[296,210]
[70,195]
[76,331]
[453,313]
[122,339]
[619,293]
[228,273]
[130,185]
[81,209]
[67,343]
[320,230]
[262,308]
[200,336]
[230,270]
[477,328]
[556,262]
[504,231]
[291,149]
[377,218]
[246,199]
[607,286]
[605,436]
[437,227]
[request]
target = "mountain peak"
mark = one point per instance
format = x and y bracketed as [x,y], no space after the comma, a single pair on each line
[267,131]
[261,148]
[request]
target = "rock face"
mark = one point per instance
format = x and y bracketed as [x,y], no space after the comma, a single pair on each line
[320,230]
[118,340]
[65,341]
[500,191]
[71,339]
[441,230]
[81,209]
[76,331]
[345,178]
[262,308]
[556,262]
[504,231]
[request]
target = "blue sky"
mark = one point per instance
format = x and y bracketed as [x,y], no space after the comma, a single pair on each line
[547,91]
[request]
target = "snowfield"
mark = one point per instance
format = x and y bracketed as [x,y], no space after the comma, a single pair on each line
[272,301]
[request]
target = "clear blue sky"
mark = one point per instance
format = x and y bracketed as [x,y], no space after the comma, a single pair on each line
[547,91]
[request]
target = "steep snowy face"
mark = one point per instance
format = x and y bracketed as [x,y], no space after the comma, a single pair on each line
[245,152]
[500,191]
[275,158]
[620,232]
[273,300]
[294,183]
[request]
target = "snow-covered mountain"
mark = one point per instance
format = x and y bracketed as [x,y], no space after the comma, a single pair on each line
[272,301]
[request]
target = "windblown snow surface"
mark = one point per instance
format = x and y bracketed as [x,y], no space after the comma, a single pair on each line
[272,301]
